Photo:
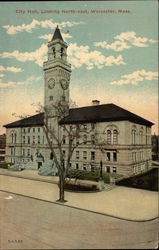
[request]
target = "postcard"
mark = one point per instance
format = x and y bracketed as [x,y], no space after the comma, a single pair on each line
[79,125]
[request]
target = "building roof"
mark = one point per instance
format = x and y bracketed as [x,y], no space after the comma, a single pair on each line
[88,114]
[57,34]
[35,120]
[102,113]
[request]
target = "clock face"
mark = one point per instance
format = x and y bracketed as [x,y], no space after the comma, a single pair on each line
[64,83]
[51,83]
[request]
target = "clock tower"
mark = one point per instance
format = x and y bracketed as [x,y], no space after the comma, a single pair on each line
[57,73]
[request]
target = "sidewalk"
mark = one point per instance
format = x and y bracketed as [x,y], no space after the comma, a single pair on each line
[125,203]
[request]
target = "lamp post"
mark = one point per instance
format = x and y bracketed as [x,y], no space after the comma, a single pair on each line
[101,181]
[101,170]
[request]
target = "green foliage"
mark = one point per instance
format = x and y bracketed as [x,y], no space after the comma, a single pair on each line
[148,180]
[4,165]
[88,175]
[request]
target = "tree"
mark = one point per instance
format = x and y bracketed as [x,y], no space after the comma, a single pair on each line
[63,139]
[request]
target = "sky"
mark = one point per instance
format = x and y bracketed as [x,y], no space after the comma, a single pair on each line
[112,47]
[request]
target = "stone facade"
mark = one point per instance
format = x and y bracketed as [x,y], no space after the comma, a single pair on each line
[123,146]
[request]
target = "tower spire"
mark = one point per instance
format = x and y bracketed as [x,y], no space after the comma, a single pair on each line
[57,34]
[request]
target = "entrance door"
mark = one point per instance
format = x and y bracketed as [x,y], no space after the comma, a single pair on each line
[39,164]
[108,169]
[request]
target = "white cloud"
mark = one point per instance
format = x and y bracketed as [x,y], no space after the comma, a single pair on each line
[28,81]
[46,24]
[80,55]
[38,56]
[48,37]
[125,41]
[77,55]
[136,77]
[11,69]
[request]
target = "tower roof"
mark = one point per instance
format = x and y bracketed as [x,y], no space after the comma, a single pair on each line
[57,34]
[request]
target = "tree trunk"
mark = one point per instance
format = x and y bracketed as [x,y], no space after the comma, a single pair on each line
[61,188]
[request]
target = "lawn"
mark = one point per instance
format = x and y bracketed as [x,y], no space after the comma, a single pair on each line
[148,180]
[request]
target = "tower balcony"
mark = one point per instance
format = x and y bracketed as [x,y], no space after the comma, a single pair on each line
[56,62]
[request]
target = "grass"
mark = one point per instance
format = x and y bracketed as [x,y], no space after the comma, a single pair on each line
[148,180]
[92,176]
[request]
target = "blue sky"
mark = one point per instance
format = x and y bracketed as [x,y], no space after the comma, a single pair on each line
[113,55]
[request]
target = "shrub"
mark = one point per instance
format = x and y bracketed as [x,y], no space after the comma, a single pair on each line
[88,175]
[4,165]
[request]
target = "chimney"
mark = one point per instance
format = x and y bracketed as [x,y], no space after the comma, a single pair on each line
[95,102]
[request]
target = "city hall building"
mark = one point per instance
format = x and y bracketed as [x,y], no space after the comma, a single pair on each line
[125,137]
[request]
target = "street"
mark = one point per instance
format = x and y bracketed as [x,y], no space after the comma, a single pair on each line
[28,223]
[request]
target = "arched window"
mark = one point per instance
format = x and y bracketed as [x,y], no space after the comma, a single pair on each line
[141,136]
[12,135]
[85,139]
[54,52]
[133,136]
[62,50]
[15,138]
[51,156]
[92,139]
[109,136]
[115,136]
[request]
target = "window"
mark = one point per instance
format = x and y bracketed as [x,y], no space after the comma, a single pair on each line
[134,156]
[84,167]
[33,139]
[77,155]
[133,136]
[141,136]
[114,170]
[108,156]
[92,139]
[84,155]
[92,168]
[28,139]
[62,50]
[77,141]
[23,152]
[64,153]
[115,136]
[85,139]
[15,138]
[51,156]
[64,139]
[114,156]
[54,53]
[28,130]
[92,125]
[107,169]
[12,137]
[38,139]
[11,151]
[77,166]
[51,98]
[23,139]
[92,156]
[108,136]
[23,130]
[33,129]
[38,129]
[28,152]
[85,127]
[70,164]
